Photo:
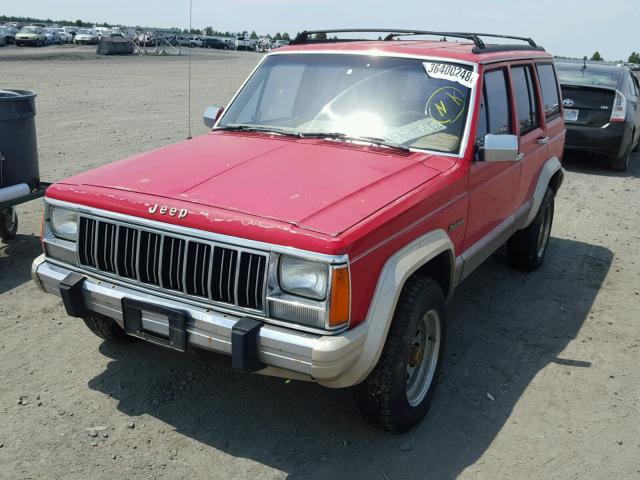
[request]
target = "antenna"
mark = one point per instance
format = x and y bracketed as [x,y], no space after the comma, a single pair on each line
[189,82]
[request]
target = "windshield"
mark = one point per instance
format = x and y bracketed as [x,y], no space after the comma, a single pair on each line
[84,32]
[590,76]
[393,100]
[29,30]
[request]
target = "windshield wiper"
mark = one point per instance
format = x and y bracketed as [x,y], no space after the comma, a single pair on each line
[251,128]
[381,142]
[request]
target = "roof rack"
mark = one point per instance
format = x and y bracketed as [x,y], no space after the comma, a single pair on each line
[480,46]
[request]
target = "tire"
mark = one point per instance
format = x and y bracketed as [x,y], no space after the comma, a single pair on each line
[397,393]
[621,164]
[527,248]
[106,328]
[8,224]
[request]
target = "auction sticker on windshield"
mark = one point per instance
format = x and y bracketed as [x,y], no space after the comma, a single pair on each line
[452,73]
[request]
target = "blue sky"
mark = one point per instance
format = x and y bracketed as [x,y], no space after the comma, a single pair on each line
[564,27]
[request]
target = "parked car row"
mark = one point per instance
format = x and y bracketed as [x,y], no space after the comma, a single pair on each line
[39,35]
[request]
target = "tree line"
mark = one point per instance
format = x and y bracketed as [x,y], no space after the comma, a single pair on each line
[633,58]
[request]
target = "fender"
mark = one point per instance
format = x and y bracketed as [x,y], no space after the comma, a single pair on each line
[398,268]
[548,170]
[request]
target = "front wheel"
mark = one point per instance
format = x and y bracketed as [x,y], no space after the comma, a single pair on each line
[527,248]
[397,393]
[8,224]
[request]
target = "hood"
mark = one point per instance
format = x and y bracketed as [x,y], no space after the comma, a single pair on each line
[323,186]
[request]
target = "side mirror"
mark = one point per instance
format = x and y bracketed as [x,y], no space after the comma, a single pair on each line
[211,115]
[500,148]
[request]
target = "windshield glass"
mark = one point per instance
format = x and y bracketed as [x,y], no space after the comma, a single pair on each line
[391,99]
[29,30]
[590,76]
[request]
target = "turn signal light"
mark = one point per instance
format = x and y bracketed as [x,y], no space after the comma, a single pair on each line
[340,297]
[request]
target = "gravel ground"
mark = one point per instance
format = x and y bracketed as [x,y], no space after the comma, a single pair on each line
[540,379]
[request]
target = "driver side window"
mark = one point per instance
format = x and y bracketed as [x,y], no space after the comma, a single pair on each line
[495,108]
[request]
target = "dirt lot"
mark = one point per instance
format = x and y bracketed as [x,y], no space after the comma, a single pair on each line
[541,376]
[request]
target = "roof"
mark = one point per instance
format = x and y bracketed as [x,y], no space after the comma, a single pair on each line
[463,51]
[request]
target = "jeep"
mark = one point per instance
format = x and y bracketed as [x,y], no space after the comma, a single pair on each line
[320,227]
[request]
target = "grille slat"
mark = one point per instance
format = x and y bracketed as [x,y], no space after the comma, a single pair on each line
[251,275]
[127,248]
[196,268]
[223,274]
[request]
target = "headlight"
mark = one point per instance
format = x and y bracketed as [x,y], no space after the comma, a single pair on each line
[64,223]
[303,277]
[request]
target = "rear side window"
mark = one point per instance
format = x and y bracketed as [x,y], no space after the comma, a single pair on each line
[526,98]
[495,112]
[631,85]
[635,84]
[549,88]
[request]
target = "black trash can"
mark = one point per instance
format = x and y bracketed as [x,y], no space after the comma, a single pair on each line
[18,147]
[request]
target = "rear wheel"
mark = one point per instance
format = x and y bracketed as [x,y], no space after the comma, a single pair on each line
[397,393]
[106,328]
[8,224]
[527,248]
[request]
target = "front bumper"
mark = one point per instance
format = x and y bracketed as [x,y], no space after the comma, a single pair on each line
[285,352]
[27,41]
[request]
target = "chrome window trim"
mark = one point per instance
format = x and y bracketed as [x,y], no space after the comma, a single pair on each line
[203,234]
[464,142]
[543,58]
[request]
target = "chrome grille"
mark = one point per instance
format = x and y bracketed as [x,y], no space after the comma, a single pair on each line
[206,270]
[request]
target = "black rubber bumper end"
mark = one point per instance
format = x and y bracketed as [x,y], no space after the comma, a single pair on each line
[71,293]
[244,345]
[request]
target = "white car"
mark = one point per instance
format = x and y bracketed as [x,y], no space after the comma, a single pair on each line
[64,36]
[279,43]
[243,43]
[85,37]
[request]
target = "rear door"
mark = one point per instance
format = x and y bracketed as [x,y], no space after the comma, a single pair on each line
[531,132]
[554,126]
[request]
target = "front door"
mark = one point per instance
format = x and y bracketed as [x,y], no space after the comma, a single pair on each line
[493,186]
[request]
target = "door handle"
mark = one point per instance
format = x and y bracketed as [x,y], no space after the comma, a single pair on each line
[519,157]
[543,140]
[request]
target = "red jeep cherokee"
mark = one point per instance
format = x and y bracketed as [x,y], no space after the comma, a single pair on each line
[318,230]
